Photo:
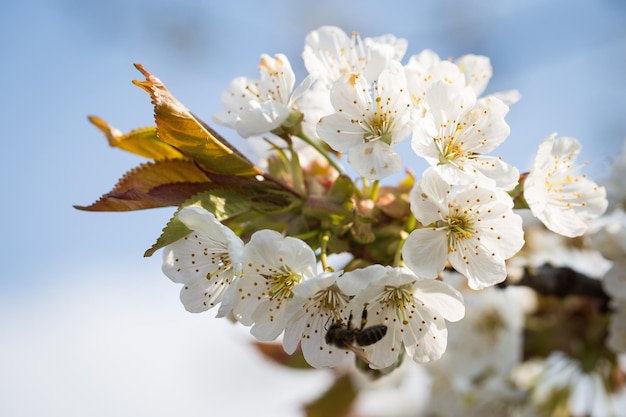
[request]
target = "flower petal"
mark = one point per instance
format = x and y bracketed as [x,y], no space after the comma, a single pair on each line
[425,252]
[441,297]
[339,132]
[374,160]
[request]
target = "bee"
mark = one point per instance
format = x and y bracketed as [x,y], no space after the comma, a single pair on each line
[345,336]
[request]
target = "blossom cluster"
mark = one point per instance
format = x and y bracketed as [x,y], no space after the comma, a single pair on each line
[272,284]
[359,100]
[505,290]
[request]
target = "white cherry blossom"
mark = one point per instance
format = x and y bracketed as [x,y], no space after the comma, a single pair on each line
[273,265]
[323,303]
[206,261]
[257,106]
[607,234]
[557,194]
[414,311]
[330,53]
[477,70]
[614,282]
[583,392]
[425,69]
[368,128]
[616,341]
[489,396]
[474,229]
[495,318]
[458,131]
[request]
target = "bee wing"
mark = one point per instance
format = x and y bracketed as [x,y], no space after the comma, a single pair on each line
[359,352]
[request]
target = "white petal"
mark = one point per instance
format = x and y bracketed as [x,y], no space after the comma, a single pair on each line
[277,78]
[425,252]
[339,132]
[581,396]
[478,264]
[269,250]
[422,143]
[429,198]
[353,282]
[325,53]
[374,160]
[258,118]
[202,221]
[614,281]
[268,323]
[293,334]
[449,103]
[315,350]
[503,236]
[493,168]
[425,343]
[508,97]
[485,128]
[351,96]
[477,70]
[202,295]
[385,352]
[440,297]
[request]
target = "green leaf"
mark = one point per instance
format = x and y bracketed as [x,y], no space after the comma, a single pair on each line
[342,189]
[177,126]
[224,204]
[154,184]
[143,142]
[173,230]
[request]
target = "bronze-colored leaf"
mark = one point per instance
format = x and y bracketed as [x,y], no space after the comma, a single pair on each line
[143,142]
[153,184]
[177,126]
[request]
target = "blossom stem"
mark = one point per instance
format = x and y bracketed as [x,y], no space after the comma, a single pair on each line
[374,190]
[397,258]
[296,169]
[408,228]
[324,237]
[321,150]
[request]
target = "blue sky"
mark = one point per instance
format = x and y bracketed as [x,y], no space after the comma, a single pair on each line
[76,282]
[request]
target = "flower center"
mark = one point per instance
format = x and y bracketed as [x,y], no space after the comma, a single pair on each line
[460,226]
[449,148]
[223,263]
[281,283]
[398,298]
[379,125]
[331,300]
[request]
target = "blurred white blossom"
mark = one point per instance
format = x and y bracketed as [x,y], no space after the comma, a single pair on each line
[555,192]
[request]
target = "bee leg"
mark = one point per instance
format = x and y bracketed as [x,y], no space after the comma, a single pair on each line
[364,317]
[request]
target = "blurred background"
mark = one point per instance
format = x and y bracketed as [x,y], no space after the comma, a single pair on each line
[88,327]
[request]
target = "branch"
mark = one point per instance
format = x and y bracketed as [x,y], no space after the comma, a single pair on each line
[561,282]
